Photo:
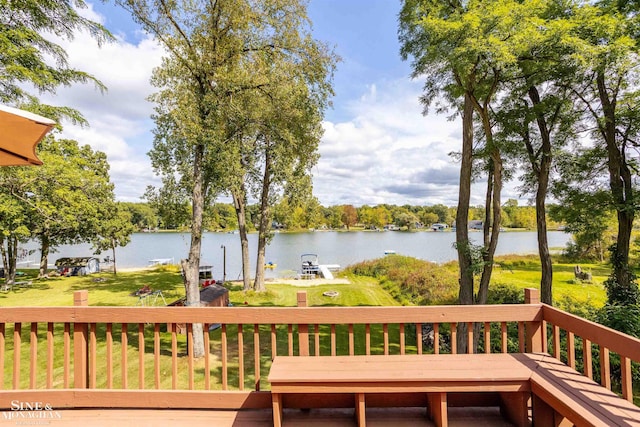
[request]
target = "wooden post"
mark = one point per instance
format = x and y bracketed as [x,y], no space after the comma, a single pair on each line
[303,330]
[80,342]
[533,330]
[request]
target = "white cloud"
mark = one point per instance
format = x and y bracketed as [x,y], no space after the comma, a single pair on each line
[119,119]
[381,150]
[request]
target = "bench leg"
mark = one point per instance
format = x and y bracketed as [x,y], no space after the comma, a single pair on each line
[360,410]
[276,400]
[516,407]
[438,408]
[545,415]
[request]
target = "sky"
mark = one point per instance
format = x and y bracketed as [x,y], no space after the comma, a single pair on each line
[377,145]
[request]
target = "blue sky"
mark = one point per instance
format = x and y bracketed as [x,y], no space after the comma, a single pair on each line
[377,146]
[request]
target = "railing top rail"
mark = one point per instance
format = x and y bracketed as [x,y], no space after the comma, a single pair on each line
[615,341]
[281,315]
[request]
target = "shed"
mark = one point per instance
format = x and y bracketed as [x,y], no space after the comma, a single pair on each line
[213,295]
[77,266]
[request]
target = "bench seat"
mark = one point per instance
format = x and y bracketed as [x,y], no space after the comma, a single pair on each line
[560,396]
[563,396]
[434,375]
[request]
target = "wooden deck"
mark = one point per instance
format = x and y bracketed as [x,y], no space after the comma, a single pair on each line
[130,366]
[396,417]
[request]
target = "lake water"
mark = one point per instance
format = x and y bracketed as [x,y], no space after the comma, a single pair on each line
[285,249]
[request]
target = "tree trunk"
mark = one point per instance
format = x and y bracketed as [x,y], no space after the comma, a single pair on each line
[44,255]
[263,229]
[465,294]
[541,167]
[11,258]
[191,266]
[621,185]
[239,201]
[113,250]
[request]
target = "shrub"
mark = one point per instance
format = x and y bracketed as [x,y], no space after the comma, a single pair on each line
[411,280]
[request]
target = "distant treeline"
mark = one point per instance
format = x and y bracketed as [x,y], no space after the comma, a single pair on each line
[312,215]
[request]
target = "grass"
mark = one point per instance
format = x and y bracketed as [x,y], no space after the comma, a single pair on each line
[524,272]
[105,289]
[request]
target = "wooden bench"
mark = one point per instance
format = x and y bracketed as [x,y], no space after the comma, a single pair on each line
[563,396]
[434,375]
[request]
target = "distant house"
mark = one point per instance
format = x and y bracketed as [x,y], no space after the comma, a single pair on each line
[476,224]
[77,266]
[439,227]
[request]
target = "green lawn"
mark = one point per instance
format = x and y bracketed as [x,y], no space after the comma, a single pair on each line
[524,272]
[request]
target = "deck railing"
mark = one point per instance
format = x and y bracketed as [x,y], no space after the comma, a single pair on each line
[85,356]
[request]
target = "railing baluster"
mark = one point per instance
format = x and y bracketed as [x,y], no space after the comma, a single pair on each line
[605,368]
[556,342]
[521,334]
[470,349]
[17,345]
[124,360]
[2,355]
[109,355]
[419,337]
[402,343]
[571,350]
[141,356]
[627,382]
[241,356]
[274,342]
[156,354]
[487,337]
[436,338]
[33,346]
[224,356]
[93,356]
[545,344]
[351,340]
[317,339]
[367,338]
[454,338]
[385,333]
[67,354]
[587,357]
[190,356]
[207,363]
[290,338]
[174,356]
[333,339]
[504,337]
[256,356]
[50,352]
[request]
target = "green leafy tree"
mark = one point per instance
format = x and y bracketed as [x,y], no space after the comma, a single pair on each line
[29,56]
[114,230]
[143,216]
[466,51]
[607,54]
[62,199]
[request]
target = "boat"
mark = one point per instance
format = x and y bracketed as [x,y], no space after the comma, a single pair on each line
[271,265]
[389,252]
[309,264]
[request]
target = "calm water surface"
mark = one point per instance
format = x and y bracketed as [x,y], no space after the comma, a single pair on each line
[343,248]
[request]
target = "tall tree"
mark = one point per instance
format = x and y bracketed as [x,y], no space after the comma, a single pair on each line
[607,54]
[114,230]
[29,58]
[537,115]
[63,199]
[466,50]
